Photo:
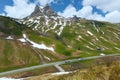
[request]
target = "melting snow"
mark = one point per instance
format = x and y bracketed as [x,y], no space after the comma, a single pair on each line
[60,22]
[61,28]
[22,40]
[89,47]
[60,73]
[55,25]
[4,78]
[40,46]
[103,38]
[54,17]
[9,37]
[117,48]
[36,21]
[102,54]
[31,20]
[91,43]
[90,33]
[95,26]
[47,21]
[47,58]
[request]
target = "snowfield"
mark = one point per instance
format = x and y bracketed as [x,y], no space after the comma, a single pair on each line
[22,40]
[60,73]
[40,46]
[4,78]
[9,37]
[90,33]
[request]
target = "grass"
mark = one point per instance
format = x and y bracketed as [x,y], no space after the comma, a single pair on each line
[14,55]
[106,71]
[11,27]
[34,72]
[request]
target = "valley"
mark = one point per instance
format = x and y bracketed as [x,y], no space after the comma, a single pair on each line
[45,39]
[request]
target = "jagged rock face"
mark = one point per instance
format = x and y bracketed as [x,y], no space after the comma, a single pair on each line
[75,18]
[41,12]
[48,11]
[37,12]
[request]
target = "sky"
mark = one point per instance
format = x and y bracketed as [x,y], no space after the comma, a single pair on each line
[101,10]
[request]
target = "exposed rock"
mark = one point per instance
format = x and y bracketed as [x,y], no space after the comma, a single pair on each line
[37,12]
[49,11]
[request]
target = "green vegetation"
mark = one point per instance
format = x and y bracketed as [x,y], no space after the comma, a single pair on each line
[108,70]
[10,27]
[14,55]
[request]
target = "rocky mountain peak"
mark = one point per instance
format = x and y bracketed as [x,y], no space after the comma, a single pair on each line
[37,12]
[49,11]
[75,18]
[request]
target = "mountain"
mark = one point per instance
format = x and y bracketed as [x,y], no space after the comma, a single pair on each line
[13,53]
[40,11]
[45,37]
[37,12]
[47,10]
[74,36]
[10,27]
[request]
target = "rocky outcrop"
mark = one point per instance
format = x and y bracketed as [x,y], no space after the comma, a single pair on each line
[37,12]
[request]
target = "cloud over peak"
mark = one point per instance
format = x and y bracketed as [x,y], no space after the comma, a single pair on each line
[110,9]
[20,8]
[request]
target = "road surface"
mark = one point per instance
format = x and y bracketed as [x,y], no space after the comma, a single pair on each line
[52,64]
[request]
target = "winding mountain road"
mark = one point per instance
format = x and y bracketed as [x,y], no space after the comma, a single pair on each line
[52,64]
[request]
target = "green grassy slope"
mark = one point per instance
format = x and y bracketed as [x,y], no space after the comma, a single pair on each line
[13,53]
[78,39]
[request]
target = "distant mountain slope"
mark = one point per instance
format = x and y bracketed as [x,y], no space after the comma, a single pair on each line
[10,27]
[45,36]
[73,36]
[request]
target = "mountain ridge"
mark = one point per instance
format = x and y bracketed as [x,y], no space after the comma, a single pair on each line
[67,37]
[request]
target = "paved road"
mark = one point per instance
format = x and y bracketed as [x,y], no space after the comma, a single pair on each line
[59,68]
[52,64]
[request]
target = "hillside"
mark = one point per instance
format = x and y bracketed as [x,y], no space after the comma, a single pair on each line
[44,37]
[101,69]
[73,37]
[13,53]
[10,27]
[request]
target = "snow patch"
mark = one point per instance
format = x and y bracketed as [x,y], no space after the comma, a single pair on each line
[55,25]
[117,48]
[22,40]
[89,47]
[102,54]
[31,20]
[95,26]
[91,43]
[103,38]
[47,21]
[61,28]
[60,73]
[9,37]
[47,58]
[4,78]
[90,33]
[40,46]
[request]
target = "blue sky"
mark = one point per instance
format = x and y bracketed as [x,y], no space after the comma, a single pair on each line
[102,10]
[59,6]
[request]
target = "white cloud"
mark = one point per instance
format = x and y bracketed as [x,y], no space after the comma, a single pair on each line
[113,17]
[44,2]
[69,11]
[104,5]
[20,9]
[2,14]
[85,12]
